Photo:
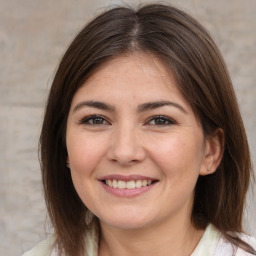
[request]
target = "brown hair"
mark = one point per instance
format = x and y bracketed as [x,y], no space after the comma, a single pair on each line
[188,50]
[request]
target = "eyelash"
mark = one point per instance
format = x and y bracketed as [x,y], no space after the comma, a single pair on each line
[93,118]
[163,119]
[101,120]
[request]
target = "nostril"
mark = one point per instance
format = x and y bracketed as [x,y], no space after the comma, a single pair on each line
[125,149]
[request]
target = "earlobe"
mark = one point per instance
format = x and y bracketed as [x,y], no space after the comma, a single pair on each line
[214,148]
[67,162]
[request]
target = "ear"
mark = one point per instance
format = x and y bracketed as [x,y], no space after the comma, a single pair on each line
[214,148]
[67,162]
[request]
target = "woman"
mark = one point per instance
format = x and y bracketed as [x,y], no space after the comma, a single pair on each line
[143,148]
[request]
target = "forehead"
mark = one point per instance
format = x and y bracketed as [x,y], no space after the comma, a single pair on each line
[131,80]
[144,63]
[141,62]
[136,71]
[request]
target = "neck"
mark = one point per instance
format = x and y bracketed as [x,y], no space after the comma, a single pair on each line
[170,238]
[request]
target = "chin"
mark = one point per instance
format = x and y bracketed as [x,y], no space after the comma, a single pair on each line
[126,223]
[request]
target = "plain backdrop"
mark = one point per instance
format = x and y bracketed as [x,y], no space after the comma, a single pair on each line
[33,36]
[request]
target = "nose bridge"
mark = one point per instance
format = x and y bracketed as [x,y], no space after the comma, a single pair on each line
[126,146]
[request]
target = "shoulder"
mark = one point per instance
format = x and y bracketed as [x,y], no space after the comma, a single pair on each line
[249,240]
[224,247]
[43,248]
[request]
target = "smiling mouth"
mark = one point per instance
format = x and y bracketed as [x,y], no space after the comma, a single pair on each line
[131,184]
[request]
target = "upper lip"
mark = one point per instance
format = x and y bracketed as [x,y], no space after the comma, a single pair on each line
[126,177]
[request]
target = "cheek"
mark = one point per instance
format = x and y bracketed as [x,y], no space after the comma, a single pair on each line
[84,153]
[169,150]
[177,155]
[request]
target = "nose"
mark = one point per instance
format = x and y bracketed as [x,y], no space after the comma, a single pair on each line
[126,147]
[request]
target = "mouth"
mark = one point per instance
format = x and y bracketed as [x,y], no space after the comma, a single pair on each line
[127,182]
[127,186]
[130,184]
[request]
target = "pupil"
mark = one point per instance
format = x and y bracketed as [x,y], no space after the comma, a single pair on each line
[98,121]
[160,121]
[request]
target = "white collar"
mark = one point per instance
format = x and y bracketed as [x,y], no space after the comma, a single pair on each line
[206,246]
[208,243]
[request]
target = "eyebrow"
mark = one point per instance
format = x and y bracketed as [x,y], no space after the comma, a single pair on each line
[157,104]
[94,104]
[141,108]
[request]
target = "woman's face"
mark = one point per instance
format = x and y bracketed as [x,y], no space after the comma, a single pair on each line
[134,144]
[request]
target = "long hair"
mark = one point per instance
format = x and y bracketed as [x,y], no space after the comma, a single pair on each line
[187,50]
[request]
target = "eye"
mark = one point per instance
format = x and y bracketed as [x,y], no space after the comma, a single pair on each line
[94,120]
[160,121]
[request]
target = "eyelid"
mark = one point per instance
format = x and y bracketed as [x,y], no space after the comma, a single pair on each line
[84,120]
[166,118]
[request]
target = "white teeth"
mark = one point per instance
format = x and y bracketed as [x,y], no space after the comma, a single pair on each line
[114,184]
[121,184]
[138,183]
[144,183]
[131,184]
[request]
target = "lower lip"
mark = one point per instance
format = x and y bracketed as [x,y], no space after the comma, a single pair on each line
[127,192]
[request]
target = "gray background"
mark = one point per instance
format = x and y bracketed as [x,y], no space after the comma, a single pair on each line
[33,37]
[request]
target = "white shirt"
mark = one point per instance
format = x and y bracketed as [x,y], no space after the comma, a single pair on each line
[212,243]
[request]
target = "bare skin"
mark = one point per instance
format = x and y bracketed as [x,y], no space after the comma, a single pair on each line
[128,123]
[179,240]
